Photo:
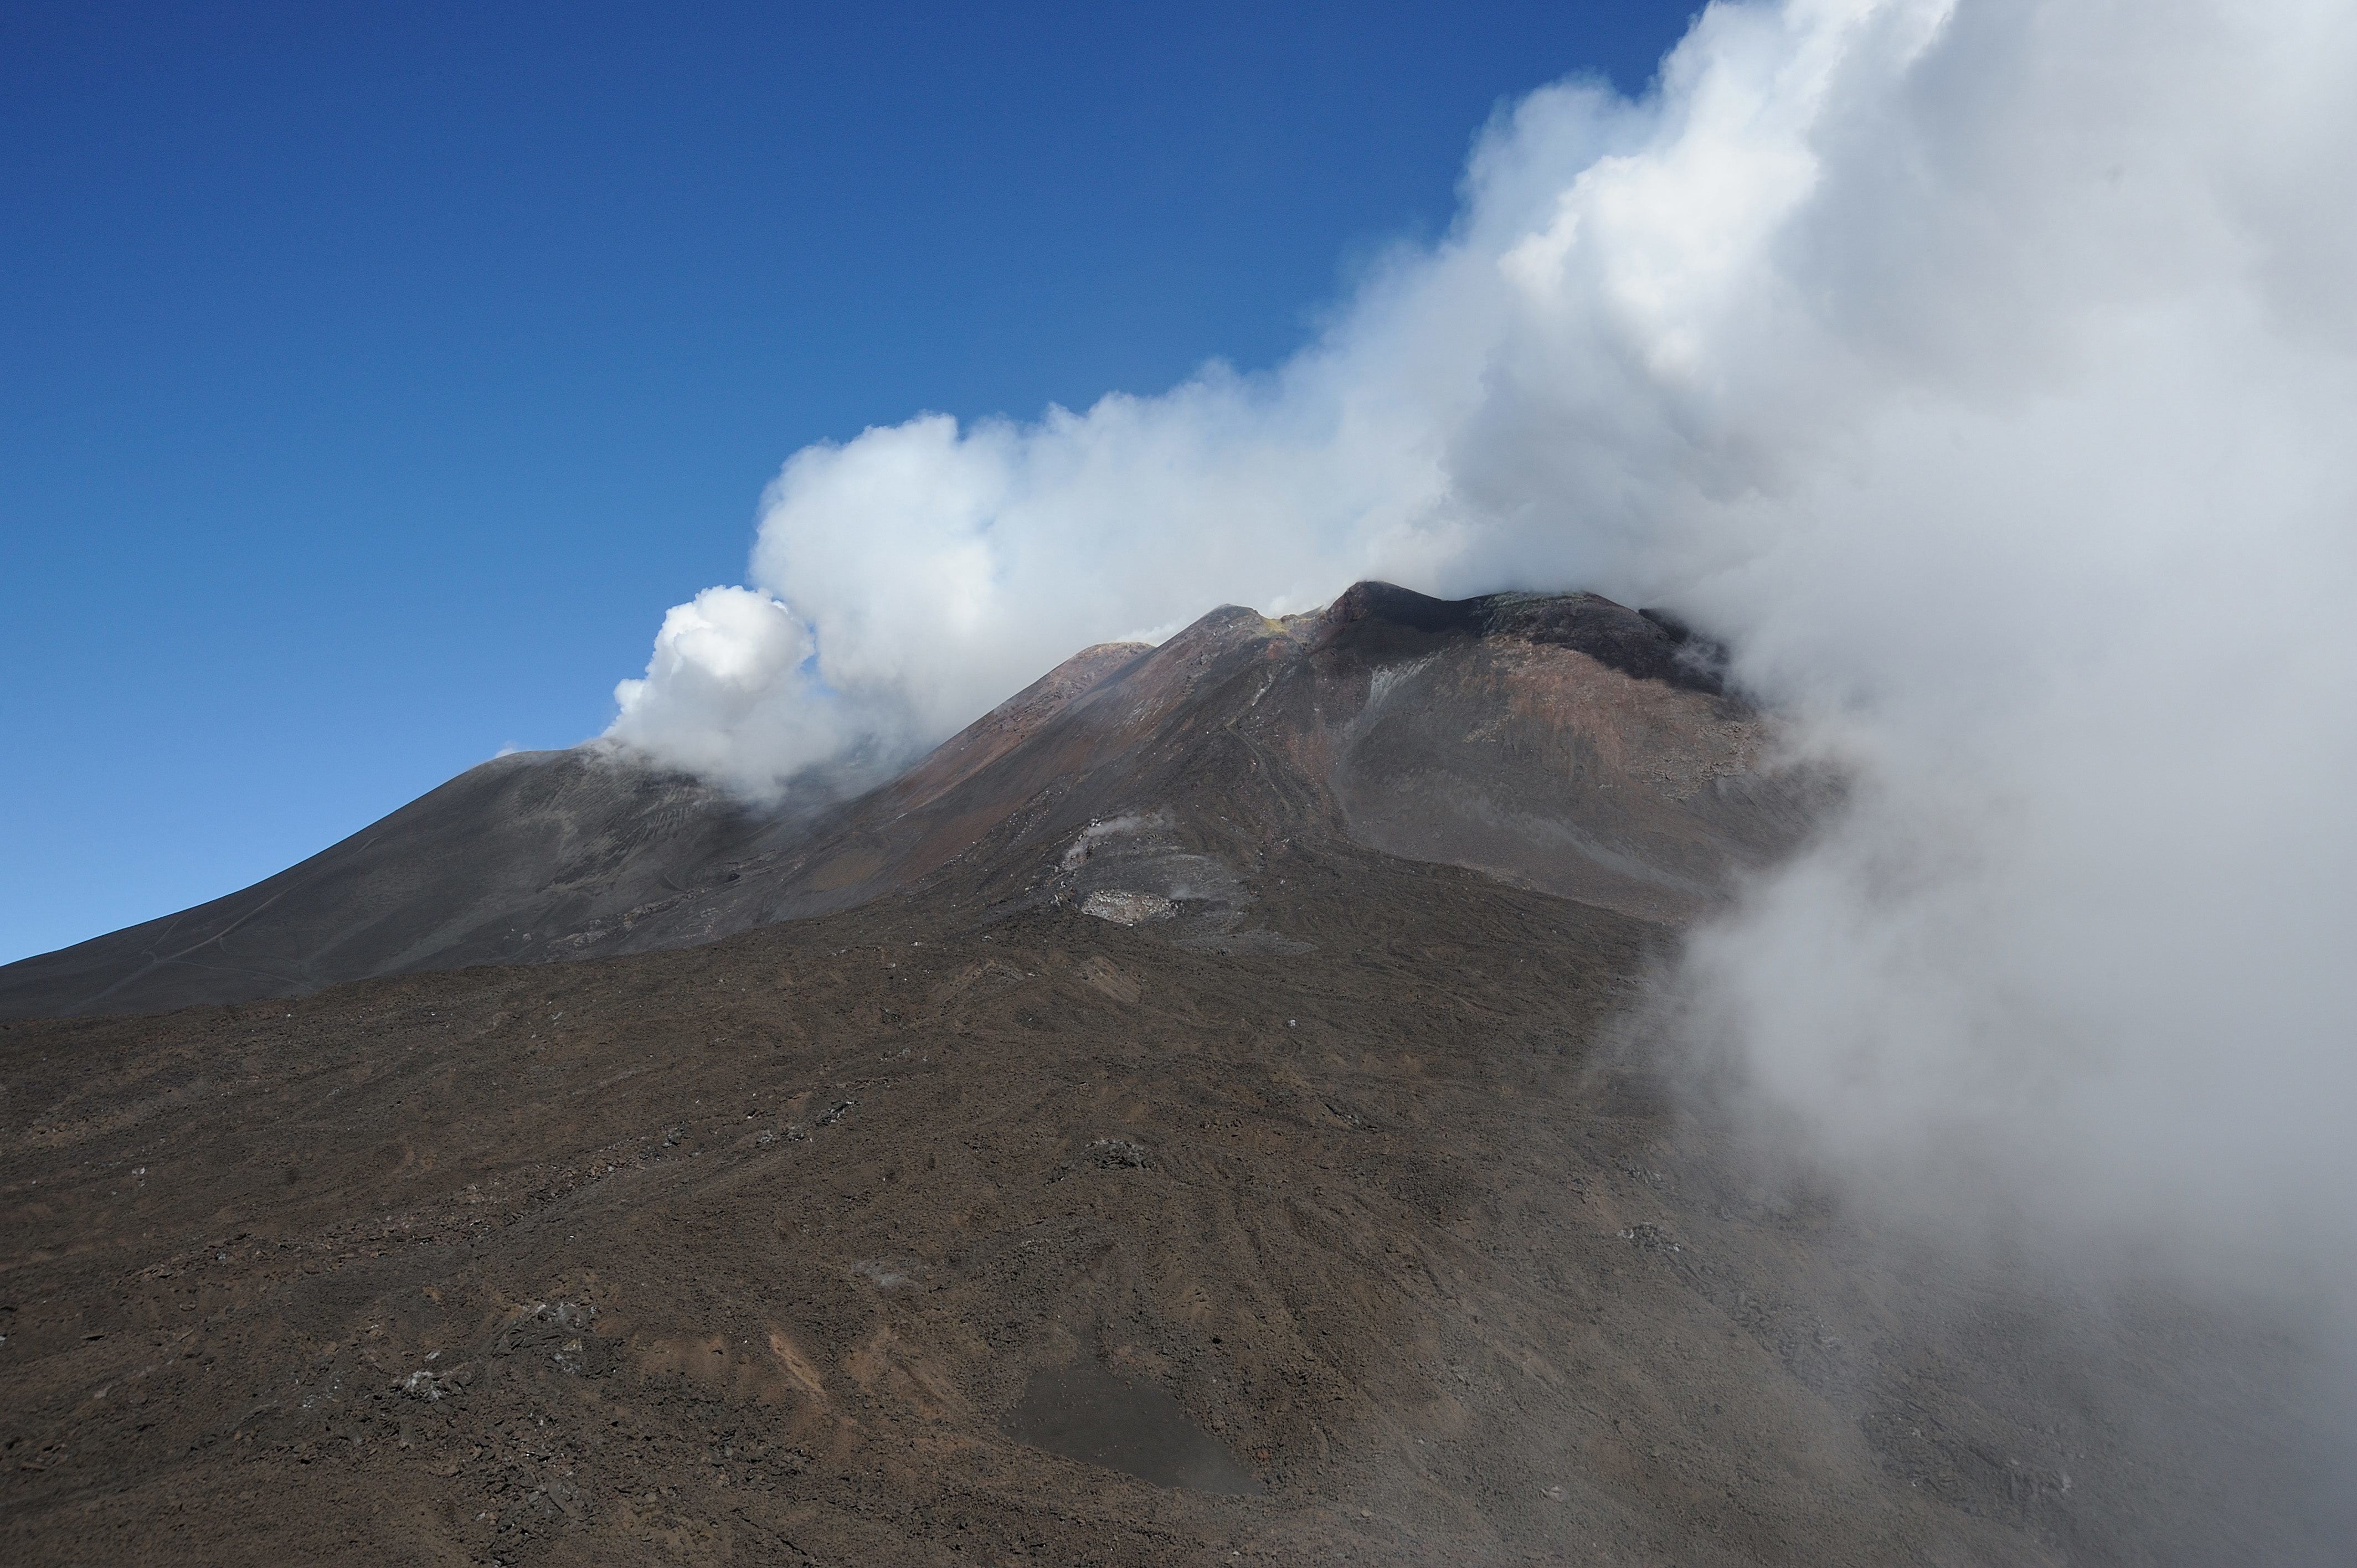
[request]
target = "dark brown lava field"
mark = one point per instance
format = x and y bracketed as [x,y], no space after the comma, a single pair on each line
[1330,1211]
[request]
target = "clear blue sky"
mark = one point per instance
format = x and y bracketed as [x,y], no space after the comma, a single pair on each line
[372,377]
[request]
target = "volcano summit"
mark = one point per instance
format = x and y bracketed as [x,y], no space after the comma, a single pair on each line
[1561,742]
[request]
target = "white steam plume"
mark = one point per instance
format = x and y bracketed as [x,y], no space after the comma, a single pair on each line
[1986,372]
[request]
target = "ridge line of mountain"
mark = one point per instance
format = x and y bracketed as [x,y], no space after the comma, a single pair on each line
[1560,741]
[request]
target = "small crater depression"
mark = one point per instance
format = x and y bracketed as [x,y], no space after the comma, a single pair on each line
[1084,1412]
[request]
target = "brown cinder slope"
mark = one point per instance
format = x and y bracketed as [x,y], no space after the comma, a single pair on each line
[754,1252]
[1561,741]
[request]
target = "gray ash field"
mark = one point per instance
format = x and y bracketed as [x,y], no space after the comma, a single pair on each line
[1329,1212]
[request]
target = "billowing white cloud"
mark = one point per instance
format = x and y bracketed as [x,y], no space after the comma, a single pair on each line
[728,694]
[1984,371]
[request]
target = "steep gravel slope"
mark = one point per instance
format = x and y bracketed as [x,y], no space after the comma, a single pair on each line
[816,1245]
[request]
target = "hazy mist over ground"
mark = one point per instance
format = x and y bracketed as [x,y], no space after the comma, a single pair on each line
[1984,374]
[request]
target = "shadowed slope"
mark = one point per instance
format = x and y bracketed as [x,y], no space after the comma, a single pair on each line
[500,858]
[527,857]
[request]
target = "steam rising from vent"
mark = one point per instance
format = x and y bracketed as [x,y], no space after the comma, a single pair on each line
[1984,373]
[728,694]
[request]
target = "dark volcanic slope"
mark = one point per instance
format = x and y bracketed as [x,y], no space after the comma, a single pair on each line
[1320,1215]
[1562,742]
[563,838]
[810,1245]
